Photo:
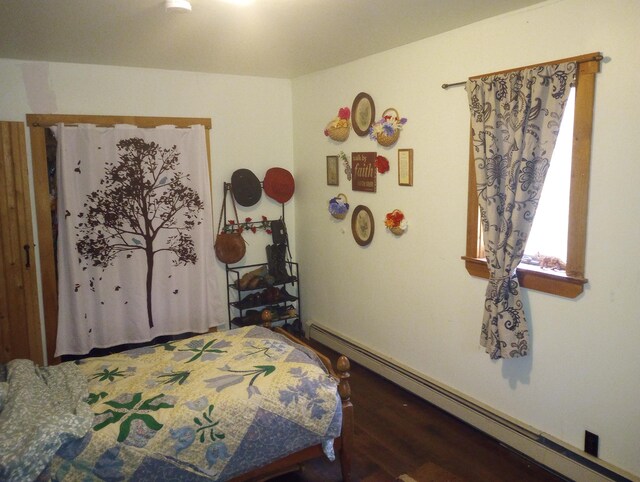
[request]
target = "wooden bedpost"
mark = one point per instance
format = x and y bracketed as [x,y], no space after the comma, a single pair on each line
[344,389]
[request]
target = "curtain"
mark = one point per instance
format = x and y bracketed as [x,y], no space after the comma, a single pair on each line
[515,119]
[135,236]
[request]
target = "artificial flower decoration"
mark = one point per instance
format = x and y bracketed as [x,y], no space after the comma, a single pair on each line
[338,206]
[338,129]
[347,166]
[382,164]
[248,225]
[396,222]
[387,130]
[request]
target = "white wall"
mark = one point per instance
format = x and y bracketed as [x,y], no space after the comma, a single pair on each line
[411,298]
[252,119]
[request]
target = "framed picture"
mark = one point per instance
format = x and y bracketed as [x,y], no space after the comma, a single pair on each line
[362,225]
[363,113]
[332,171]
[405,167]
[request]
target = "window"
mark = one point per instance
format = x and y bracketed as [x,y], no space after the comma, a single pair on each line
[547,243]
[568,283]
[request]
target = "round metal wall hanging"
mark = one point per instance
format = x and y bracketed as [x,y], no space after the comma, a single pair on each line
[362,225]
[363,114]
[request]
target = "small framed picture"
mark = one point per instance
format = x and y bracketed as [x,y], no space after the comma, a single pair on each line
[405,167]
[332,171]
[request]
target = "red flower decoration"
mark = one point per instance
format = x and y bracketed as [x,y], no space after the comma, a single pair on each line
[344,113]
[382,164]
[393,219]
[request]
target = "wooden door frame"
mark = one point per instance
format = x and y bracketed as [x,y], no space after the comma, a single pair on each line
[37,124]
[19,279]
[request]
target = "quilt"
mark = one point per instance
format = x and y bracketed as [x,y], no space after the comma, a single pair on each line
[41,408]
[209,407]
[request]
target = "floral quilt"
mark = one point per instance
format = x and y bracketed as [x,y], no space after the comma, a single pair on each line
[209,407]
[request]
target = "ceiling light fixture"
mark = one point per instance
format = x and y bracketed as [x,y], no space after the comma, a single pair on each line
[178,6]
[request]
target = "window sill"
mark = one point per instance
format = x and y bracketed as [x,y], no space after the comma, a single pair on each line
[548,281]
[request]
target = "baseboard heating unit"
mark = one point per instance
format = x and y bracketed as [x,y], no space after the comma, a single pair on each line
[559,457]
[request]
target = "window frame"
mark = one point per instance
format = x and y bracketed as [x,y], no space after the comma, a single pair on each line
[569,283]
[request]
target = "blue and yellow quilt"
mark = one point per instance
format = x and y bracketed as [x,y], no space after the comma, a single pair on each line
[209,407]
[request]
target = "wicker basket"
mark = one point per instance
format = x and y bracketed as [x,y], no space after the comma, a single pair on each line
[338,134]
[343,198]
[384,139]
[397,230]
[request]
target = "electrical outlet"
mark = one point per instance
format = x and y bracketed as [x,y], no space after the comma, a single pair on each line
[591,443]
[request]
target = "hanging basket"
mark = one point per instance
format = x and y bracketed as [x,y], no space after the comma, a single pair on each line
[339,206]
[383,138]
[396,222]
[338,133]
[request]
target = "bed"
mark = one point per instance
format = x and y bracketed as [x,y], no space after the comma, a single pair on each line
[245,404]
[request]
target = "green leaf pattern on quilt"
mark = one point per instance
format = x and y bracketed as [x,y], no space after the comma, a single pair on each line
[208,425]
[136,409]
[107,374]
[175,377]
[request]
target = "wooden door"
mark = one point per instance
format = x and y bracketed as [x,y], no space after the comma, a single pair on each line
[20,335]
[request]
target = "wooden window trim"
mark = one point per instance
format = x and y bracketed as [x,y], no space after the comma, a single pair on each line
[37,124]
[571,283]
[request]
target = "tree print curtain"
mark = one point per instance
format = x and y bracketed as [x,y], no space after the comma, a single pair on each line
[135,245]
[515,119]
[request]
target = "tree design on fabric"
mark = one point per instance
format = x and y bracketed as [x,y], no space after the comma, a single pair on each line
[144,194]
[136,409]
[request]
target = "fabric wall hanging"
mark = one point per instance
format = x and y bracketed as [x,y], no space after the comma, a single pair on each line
[135,251]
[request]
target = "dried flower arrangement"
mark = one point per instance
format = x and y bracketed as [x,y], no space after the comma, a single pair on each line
[347,166]
[387,130]
[338,206]
[396,222]
[338,129]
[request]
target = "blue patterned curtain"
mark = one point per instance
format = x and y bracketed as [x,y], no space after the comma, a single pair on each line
[515,119]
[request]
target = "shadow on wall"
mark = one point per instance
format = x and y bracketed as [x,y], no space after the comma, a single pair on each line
[518,370]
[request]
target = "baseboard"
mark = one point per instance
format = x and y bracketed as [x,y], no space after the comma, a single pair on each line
[557,456]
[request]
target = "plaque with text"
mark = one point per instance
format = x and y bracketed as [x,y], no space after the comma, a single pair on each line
[363,171]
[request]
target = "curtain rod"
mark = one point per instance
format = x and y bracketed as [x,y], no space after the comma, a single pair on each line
[582,58]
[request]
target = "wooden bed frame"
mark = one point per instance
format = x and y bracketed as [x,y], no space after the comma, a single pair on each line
[343,444]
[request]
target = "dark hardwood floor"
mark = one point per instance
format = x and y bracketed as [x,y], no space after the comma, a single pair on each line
[398,433]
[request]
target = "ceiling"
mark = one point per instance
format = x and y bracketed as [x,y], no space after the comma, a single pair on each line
[267,38]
